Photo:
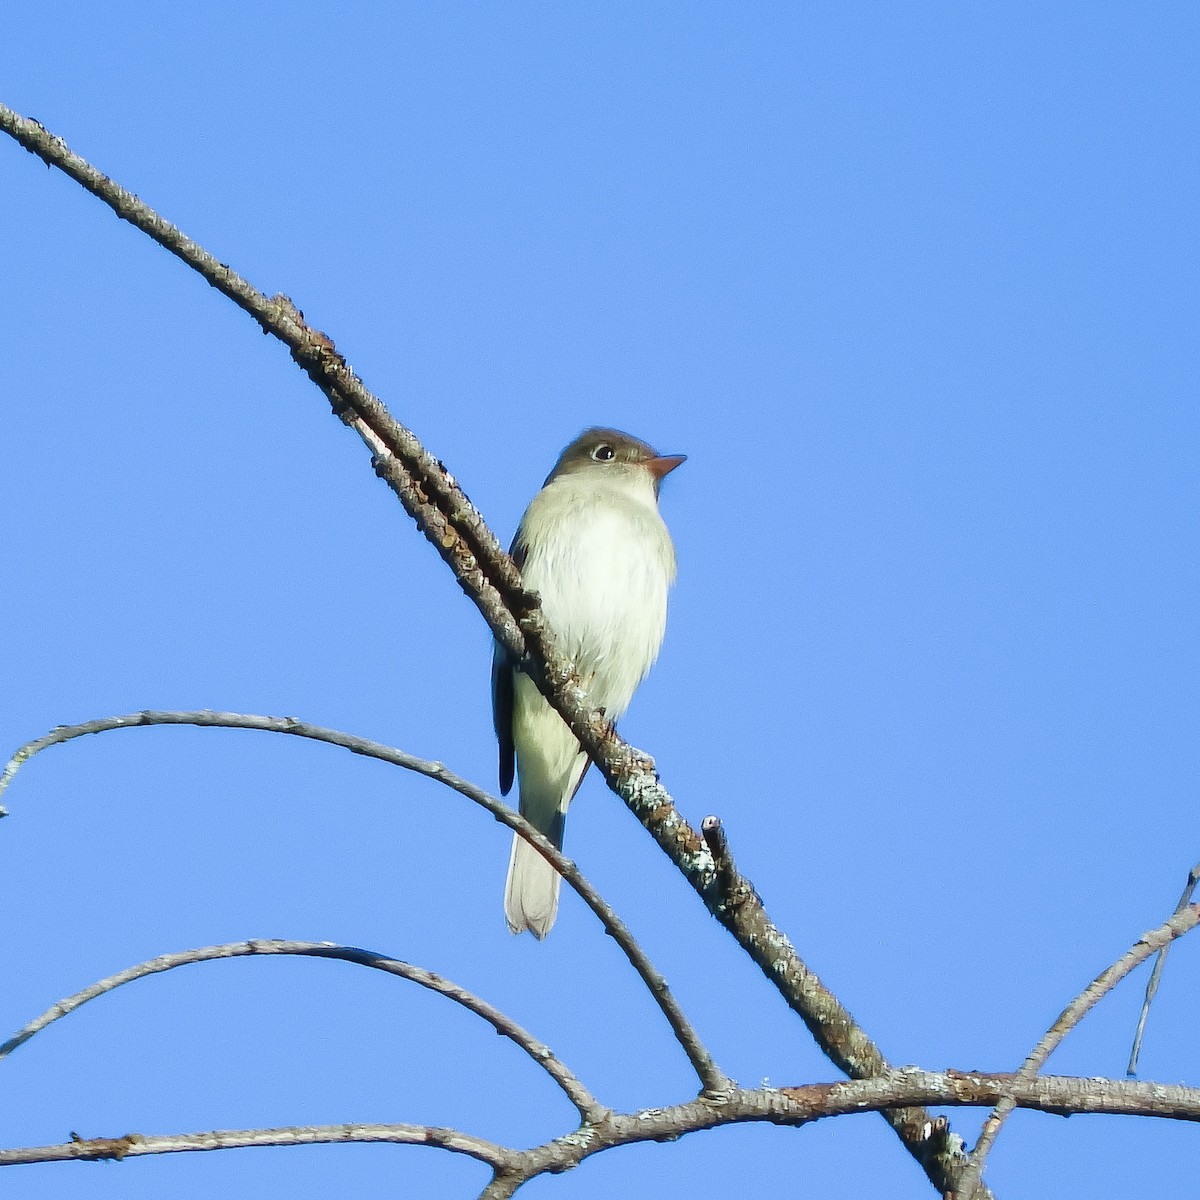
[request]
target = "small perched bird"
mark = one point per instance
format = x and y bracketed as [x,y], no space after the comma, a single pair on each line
[593,546]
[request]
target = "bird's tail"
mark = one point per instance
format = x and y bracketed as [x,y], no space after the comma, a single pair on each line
[531,893]
[531,890]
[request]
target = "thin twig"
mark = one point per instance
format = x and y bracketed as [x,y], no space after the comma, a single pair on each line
[736,889]
[488,576]
[589,1107]
[711,1077]
[1152,986]
[1179,924]
[713,833]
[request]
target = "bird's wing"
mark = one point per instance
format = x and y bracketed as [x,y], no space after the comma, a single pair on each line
[502,694]
[502,714]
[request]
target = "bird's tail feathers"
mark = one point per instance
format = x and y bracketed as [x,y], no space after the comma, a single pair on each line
[531,893]
[531,890]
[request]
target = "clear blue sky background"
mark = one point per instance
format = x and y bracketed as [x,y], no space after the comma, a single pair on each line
[915,288]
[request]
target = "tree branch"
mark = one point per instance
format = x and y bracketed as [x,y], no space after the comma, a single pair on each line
[447,518]
[1060,1095]
[1183,921]
[589,1107]
[711,1077]
[134,1145]
[1152,984]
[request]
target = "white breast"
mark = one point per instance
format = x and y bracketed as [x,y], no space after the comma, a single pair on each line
[601,558]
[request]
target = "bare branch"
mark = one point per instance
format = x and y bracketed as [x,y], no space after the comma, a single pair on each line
[1060,1095]
[710,1075]
[134,1145]
[1152,985]
[451,523]
[1157,939]
[589,1107]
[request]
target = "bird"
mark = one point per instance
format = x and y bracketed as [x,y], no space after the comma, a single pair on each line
[594,547]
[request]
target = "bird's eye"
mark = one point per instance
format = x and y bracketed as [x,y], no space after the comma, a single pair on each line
[603,452]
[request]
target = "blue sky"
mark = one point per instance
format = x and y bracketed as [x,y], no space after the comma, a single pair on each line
[913,286]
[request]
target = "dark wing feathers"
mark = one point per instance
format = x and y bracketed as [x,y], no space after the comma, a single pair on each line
[502,694]
[502,713]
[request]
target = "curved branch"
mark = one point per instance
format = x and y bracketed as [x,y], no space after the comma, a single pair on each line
[589,1107]
[710,1075]
[1156,940]
[432,497]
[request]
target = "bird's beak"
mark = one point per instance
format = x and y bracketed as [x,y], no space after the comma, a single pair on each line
[664,464]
